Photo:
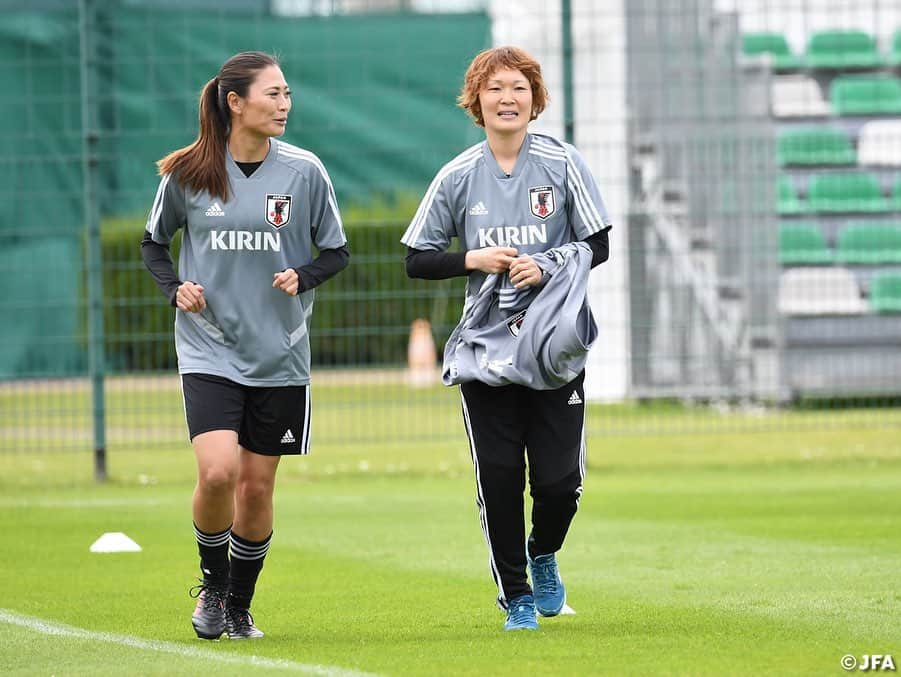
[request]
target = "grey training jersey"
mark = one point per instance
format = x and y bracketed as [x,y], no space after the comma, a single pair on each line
[549,200]
[250,332]
[544,347]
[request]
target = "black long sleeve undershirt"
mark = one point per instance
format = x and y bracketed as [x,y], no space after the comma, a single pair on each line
[159,262]
[434,265]
[156,257]
[329,263]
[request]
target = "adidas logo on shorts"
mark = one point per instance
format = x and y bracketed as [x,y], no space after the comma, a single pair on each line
[288,437]
[214,210]
[573,399]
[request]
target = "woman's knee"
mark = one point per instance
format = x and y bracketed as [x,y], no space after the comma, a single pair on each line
[217,479]
[254,491]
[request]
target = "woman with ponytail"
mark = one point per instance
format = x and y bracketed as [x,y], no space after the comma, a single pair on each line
[260,230]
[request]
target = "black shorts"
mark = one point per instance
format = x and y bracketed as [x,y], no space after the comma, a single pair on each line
[269,421]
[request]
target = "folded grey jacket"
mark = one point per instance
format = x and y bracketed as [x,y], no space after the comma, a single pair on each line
[537,337]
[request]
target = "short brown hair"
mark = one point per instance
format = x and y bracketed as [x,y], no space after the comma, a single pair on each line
[489,62]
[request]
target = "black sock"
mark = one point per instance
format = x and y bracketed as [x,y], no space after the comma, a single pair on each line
[246,562]
[213,550]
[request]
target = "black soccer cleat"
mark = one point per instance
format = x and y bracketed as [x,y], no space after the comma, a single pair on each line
[239,624]
[209,614]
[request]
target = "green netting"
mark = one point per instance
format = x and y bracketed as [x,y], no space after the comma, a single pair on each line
[374,98]
[374,95]
[40,194]
[40,333]
[40,140]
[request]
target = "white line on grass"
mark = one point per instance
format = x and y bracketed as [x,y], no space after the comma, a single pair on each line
[60,630]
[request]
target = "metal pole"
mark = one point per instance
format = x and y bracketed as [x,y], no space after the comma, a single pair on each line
[569,124]
[94,254]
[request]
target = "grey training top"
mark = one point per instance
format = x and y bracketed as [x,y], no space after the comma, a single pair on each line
[543,346]
[250,332]
[549,199]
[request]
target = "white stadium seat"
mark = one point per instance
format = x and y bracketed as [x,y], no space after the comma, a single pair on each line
[879,143]
[797,96]
[820,291]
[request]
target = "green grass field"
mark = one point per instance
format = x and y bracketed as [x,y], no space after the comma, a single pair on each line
[727,552]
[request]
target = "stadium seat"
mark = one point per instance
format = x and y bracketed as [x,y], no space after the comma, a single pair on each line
[843,49]
[869,243]
[802,244]
[797,96]
[879,143]
[788,202]
[865,95]
[814,146]
[846,192]
[819,291]
[774,44]
[885,293]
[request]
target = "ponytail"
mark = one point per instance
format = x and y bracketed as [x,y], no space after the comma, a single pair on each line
[201,165]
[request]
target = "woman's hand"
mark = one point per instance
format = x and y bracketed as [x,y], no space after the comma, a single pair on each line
[287,281]
[524,272]
[189,297]
[490,259]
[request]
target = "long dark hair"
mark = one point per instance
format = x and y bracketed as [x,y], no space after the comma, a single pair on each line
[201,165]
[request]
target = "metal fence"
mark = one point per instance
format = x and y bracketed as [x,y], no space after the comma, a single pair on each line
[681,122]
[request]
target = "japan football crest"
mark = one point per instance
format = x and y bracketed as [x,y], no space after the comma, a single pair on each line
[541,201]
[278,209]
[514,324]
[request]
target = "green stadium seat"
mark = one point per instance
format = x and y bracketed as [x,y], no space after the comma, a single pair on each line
[788,202]
[885,293]
[843,49]
[815,146]
[865,95]
[802,244]
[869,243]
[774,44]
[846,192]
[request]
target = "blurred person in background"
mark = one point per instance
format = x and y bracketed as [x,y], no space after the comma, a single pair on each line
[251,209]
[520,204]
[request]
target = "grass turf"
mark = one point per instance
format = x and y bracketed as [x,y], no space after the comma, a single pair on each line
[727,553]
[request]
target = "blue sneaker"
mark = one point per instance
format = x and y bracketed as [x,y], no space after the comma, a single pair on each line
[550,595]
[521,614]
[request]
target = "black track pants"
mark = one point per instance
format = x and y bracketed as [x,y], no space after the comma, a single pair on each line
[506,425]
